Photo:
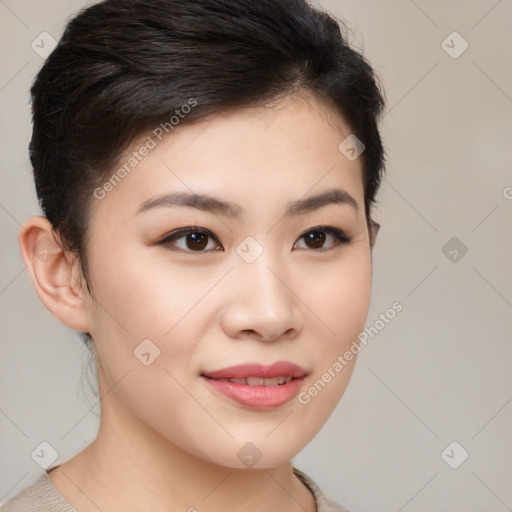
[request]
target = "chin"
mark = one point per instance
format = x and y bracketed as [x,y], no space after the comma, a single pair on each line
[252,455]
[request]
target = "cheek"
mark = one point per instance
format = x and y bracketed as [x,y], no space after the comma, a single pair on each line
[339,296]
[340,301]
[136,299]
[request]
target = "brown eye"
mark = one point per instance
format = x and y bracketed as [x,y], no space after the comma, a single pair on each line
[198,241]
[195,240]
[315,238]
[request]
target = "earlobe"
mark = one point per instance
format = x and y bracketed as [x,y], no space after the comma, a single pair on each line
[52,272]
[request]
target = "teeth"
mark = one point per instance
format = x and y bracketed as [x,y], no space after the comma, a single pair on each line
[260,381]
[257,381]
[239,381]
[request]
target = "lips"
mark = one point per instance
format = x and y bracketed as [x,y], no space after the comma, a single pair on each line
[258,386]
[281,369]
[259,381]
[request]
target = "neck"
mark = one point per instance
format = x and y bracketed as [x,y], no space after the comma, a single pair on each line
[130,466]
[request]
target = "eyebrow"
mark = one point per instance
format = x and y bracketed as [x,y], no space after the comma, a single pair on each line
[233,210]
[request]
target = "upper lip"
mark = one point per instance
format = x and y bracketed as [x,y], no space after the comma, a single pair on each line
[242,371]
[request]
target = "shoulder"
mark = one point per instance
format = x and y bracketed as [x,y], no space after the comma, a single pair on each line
[322,503]
[41,496]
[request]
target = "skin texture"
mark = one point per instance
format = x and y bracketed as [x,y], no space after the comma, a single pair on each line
[167,440]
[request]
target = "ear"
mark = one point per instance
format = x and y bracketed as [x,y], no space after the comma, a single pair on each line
[374,231]
[54,272]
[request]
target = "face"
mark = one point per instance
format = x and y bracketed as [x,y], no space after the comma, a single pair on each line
[181,292]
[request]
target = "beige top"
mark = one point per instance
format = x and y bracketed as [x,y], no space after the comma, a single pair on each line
[43,496]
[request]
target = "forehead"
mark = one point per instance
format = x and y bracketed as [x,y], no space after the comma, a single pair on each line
[284,149]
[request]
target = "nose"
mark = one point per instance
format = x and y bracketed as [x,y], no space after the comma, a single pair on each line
[262,303]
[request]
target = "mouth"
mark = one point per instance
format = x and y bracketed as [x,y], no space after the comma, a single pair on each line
[257,386]
[257,381]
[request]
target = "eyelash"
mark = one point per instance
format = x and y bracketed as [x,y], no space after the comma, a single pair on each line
[340,237]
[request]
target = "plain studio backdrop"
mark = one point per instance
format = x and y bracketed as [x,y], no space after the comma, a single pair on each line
[425,422]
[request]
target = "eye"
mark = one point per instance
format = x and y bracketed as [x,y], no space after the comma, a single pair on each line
[196,239]
[317,236]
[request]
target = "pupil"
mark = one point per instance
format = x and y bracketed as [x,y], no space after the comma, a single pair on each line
[314,235]
[196,237]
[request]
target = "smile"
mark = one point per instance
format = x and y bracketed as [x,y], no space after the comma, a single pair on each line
[259,381]
[257,386]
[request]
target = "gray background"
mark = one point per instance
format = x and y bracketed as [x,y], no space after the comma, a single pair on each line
[438,372]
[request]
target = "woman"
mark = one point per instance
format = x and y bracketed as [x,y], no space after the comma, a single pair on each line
[207,171]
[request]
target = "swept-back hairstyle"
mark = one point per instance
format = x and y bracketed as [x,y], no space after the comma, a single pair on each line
[124,67]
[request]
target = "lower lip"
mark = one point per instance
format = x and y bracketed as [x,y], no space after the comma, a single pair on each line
[259,397]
